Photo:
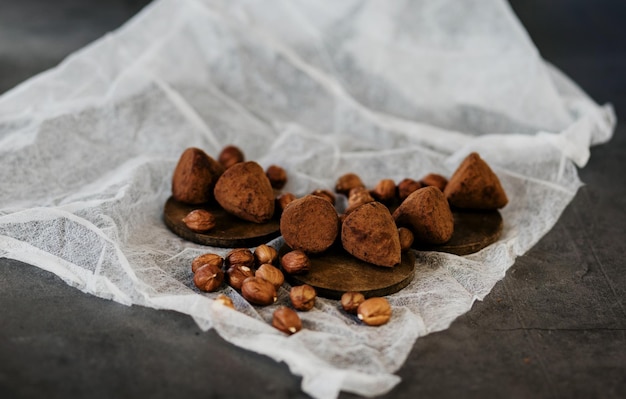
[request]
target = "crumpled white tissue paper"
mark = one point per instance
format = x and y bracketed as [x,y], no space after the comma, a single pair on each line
[384,89]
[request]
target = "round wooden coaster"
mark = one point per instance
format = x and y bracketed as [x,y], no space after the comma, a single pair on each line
[229,230]
[473,231]
[336,271]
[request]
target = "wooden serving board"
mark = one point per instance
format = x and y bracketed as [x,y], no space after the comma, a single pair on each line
[336,271]
[473,231]
[229,230]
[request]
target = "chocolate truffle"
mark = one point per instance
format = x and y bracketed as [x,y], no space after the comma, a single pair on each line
[475,186]
[427,214]
[309,224]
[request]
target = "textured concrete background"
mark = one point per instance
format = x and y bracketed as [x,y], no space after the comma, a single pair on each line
[555,327]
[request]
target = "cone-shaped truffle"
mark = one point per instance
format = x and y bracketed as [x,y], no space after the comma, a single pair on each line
[475,186]
[309,224]
[370,234]
[195,176]
[427,214]
[245,191]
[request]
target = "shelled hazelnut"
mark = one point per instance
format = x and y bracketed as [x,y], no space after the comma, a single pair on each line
[295,262]
[302,297]
[325,194]
[240,256]
[258,291]
[286,320]
[385,190]
[277,176]
[230,155]
[283,200]
[351,300]
[357,197]
[271,274]
[210,258]
[199,220]
[433,179]
[225,301]
[265,254]
[208,278]
[237,274]
[374,311]
[347,182]
[406,238]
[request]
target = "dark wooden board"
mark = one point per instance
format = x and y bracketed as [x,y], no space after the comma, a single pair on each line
[336,271]
[473,231]
[229,230]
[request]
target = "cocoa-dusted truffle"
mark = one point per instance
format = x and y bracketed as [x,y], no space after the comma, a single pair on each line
[427,214]
[475,186]
[195,176]
[245,191]
[309,224]
[370,234]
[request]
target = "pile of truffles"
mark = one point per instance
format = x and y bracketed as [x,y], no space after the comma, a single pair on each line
[242,188]
[380,223]
[377,225]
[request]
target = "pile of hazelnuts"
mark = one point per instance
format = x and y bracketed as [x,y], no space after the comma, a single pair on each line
[256,277]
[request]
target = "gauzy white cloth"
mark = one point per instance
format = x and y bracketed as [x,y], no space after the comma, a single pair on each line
[384,89]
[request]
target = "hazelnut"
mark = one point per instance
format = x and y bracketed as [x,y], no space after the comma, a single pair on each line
[302,297]
[286,320]
[283,200]
[271,274]
[225,301]
[230,155]
[208,277]
[385,190]
[351,300]
[406,238]
[433,179]
[199,220]
[295,262]
[258,291]
[277,176]
[237,274]
[374,311]
[265,254]
[347,182]
[357,197]
[406,187]
[204,259]
[240,256]
[325,194]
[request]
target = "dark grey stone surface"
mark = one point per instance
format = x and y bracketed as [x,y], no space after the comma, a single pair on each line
[554,327]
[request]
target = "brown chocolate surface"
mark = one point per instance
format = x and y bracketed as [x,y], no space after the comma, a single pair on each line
[309,224]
